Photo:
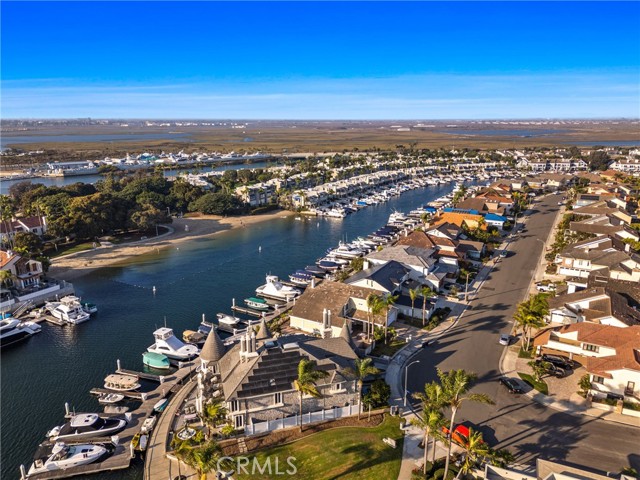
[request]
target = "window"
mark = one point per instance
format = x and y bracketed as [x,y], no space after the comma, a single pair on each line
[597,379]
[590,348]
[235,405]
[277,398]
[337,387]
[238,421]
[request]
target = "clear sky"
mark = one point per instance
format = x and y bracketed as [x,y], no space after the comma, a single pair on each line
[328,60]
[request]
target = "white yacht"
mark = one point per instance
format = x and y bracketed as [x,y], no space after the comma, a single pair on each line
[346,251]
[86,425]
[68,309]
[60,457]
[168,344]
[12,331]
[224,319]
[275,289]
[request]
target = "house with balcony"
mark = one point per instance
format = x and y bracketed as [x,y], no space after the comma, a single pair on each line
[258,194]
[582,259]
[420,261]
[33,224]
[611,355]
[255,374]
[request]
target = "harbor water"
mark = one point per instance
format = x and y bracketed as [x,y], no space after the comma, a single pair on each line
[62,364]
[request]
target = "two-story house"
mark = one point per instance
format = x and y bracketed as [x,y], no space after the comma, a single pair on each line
[595,305]
[611,355]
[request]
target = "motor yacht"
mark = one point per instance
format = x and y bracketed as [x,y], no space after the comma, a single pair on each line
[346,251]
[168,344]
[68,309]
[12,331]
[86,425]
[60,456]
[275,289]
[301,277]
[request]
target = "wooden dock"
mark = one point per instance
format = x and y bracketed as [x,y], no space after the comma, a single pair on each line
[121,458]
[146,376]
[249,311]
[133,395]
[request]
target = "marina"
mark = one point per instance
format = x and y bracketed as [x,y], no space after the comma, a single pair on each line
[239,264]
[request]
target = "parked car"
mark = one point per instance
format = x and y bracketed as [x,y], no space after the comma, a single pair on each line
[512,385]
[558,361]
[428,343]
[460,434]
[505,339]
[503,254]
[556,371]
[543,287]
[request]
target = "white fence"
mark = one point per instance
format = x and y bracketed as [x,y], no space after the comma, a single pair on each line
[307,418]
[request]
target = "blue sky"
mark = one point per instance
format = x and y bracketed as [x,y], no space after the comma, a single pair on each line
[330,60]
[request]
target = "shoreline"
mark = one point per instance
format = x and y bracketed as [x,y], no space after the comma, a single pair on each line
[76,265]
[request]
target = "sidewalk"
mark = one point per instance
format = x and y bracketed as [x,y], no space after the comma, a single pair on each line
[412,454]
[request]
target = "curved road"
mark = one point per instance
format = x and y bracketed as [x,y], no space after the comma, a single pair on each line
[526,428]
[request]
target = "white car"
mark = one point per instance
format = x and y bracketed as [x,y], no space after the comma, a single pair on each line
[504,339]
[541,287]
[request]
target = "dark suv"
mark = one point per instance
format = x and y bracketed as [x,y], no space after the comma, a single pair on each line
[558,361]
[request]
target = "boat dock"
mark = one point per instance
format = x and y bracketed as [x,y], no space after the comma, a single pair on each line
[121,458]
[248,311]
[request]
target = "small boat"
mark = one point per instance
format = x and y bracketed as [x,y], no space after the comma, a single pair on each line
[61,457]
[110,398]
[205,327]
[161,405]
[197,338]
[224,319]
[167,344]
[148,424]
[139,441]
[257,303]
[155,360]
[328,265]
[301,277]
[116,409]
[315,270]
[121,383]
[86,425]
[90,308]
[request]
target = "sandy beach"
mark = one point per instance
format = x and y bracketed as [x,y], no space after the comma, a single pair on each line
[72,266]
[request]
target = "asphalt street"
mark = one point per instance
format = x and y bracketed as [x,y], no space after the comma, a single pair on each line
[526,428]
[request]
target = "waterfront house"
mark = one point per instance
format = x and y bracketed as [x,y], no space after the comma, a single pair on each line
[421,261]
[24,272]
[386,278]
[323,310]
[255,375]
[611,355]
[9,228]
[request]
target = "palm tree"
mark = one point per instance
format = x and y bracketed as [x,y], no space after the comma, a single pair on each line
[213,412]
[413,294]
[431,418]
[475,449]
[374,306]
[425,292]
[386,303]
[203,459]
[363,369]
[455,384]
[305,384]
[530,314]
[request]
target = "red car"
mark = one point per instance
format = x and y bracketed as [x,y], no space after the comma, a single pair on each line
[460,434]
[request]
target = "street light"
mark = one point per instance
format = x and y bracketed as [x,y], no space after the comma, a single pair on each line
[406,370]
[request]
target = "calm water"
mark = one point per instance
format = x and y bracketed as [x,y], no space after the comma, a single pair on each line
[62,181]
[503,132]
[63,363]
[116,137]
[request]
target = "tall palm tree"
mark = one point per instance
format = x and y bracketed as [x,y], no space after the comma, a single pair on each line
[387,302]
[530,314]
[425,292]
[475,449]
[431,418]
[305,384]
[212,413]
[413,294]
[362,370]
[455,385]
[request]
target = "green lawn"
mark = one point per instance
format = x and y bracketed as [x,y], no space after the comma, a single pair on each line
[66,250]
[540,386]
[344,453]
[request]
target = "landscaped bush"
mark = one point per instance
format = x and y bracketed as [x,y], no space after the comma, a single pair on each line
[378,395]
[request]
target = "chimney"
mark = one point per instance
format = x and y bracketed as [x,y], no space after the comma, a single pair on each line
[313,282]
[248,343]
[243,345]
[253,341]
[324,318]
[328,319]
